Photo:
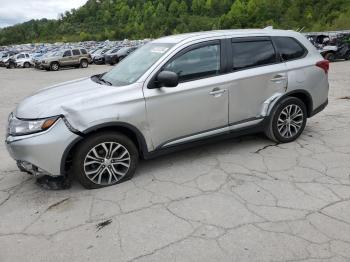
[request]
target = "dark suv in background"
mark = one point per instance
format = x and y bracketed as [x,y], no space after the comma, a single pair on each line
[114,57]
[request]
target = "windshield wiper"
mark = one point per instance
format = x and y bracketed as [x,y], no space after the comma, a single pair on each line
[105,81]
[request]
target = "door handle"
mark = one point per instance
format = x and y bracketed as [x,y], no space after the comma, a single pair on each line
[217,91]
[279,78]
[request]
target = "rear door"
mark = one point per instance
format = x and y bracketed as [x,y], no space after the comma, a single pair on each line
[75,56]
[257,74]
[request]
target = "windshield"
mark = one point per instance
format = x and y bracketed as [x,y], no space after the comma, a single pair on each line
[136,64]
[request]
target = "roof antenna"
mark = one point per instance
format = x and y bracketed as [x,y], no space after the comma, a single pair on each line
[270,27]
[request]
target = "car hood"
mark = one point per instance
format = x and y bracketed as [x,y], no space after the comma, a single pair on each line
[53,100]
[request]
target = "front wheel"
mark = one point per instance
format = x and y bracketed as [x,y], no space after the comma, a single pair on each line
[26,65]
[287,120]
[54,66]
[105,159]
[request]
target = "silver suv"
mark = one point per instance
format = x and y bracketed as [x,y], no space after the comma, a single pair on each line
[171,93]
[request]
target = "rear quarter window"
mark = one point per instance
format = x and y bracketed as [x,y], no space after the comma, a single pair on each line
[83,51]
[289,48]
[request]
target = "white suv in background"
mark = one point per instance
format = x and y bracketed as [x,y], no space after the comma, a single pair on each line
[23,60]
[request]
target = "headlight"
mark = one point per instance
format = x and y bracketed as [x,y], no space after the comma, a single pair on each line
[18,127]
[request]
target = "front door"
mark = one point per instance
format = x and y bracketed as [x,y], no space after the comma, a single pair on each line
[198,106]
[66,60]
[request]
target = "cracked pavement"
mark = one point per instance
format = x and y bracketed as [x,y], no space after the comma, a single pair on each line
[244,199]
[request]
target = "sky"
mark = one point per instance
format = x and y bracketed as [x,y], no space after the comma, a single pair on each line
[18,11]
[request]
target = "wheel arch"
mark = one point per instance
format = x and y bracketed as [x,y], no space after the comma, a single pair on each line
[129,130]
[303,95]
[55,62]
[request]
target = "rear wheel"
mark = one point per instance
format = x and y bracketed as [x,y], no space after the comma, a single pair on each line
[54,66]
[330,57]
[347,56]
[26,65]
[105,159]
[84,63]
[287,120]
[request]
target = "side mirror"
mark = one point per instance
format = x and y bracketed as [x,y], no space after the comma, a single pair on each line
[167,79]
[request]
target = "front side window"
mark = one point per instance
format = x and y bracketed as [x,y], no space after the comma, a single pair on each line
[135,65]
[252,54]
[67,53]
[76,52]
[20,56]
[197,63]
[289,48]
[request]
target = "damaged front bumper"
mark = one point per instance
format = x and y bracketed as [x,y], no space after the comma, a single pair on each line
[41,153]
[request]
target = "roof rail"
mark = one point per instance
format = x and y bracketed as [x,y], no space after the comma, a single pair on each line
[270,27]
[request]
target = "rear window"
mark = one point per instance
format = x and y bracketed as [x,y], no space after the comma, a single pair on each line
[83,51]
[289,48]
[252,54]
[76,52]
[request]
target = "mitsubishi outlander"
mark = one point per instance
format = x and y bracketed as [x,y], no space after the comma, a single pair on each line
[170,93]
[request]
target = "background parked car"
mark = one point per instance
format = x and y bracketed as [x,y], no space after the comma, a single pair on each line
[6,56]
[98,57]
[23,60]
[120,55]
[66,58]
[111,57]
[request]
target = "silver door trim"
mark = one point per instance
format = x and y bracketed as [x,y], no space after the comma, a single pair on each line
[197,136]
[250,122]
[222,130]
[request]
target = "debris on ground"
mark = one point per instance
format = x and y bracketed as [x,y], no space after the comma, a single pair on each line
[53,183]
[101,225]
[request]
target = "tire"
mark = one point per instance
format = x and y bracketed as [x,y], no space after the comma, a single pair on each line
[84,63]
[11,66]
[94,174]
[54,66]
[347,56]
[26,65]
[330,57]
[280,129]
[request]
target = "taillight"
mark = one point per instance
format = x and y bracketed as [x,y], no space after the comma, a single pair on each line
[324,64]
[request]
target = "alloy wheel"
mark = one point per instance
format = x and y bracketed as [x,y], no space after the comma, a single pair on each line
[55,67]
[290,121]
[107,163]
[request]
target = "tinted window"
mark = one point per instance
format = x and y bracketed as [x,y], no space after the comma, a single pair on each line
[76,52]
[67,53]
[289,48]
[20,56]
[27,55]
[197,63]
[251,54]
[83,51]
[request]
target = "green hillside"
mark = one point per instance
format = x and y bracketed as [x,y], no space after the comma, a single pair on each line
[135,19]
